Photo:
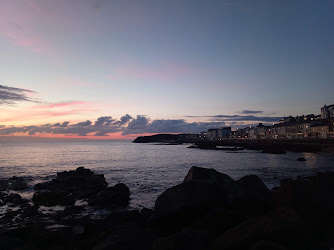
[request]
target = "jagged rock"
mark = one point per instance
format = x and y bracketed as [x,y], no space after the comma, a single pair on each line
[13,183]
[15,199]
[301,159]
[17,183]
[52,198]
[112,197]
[70,186]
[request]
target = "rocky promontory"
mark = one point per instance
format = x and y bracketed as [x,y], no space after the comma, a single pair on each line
[208,210]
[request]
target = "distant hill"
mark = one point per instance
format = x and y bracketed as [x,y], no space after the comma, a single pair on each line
[156,138]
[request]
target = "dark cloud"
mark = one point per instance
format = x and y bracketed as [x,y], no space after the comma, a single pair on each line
[82,124]
[124,119]
[64,124]
[11,95]
[140,125]
[104,121]
[245,111]
[228,118]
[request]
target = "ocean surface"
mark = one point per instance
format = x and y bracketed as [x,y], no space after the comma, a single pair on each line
[147,169]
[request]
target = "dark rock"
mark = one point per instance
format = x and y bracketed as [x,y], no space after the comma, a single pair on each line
[218,220]
[8,243]
[206,174]
[3,185]
[301,159]
[274,150]
[201,190]
[52,198]
[126,236]
[281,225]
[15,199]
[112,197]
[156,138]
[75,184]
[192,146]
[145,214]
[312,192]
[188,239]
[254,196]
[207,145]
[17,183]
[265,245]
[185,197]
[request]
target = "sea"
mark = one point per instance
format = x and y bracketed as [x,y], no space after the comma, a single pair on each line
[147,169]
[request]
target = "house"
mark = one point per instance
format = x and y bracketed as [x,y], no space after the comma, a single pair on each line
[327,112]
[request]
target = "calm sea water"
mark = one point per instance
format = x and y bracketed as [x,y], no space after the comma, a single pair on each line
[148,169]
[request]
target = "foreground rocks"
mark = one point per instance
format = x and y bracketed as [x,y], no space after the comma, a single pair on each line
[209,210]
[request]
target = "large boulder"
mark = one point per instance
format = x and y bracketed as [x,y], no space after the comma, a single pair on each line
[282,225]
[71,185]
[201,190]
[313,192]
[254,197]
[112,197]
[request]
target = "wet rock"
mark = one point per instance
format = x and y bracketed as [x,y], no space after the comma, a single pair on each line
[274,150]
[3,185]
[52,198]
[15,199]
[13,183]
[69,187]
[17,183]
[112,197]
[301,159]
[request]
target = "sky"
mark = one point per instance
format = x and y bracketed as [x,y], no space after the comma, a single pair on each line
[122,68]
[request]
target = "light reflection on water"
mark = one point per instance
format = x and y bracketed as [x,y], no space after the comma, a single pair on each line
[148,169]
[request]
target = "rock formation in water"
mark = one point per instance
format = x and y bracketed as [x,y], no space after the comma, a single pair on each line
[208,210]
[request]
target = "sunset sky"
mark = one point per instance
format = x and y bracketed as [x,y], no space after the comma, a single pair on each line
[121,68]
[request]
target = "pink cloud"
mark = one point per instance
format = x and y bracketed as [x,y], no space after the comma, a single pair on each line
[46,111]
[61,104]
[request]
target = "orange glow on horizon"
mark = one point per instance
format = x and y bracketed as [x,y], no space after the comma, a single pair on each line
[112,136]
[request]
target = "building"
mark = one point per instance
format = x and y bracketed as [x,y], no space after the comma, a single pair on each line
[320,129]
[218,133]
[327,112]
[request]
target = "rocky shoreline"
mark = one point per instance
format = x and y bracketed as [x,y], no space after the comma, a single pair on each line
[270,145]
[208,210]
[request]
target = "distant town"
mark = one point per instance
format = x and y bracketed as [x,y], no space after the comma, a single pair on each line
[305,126]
